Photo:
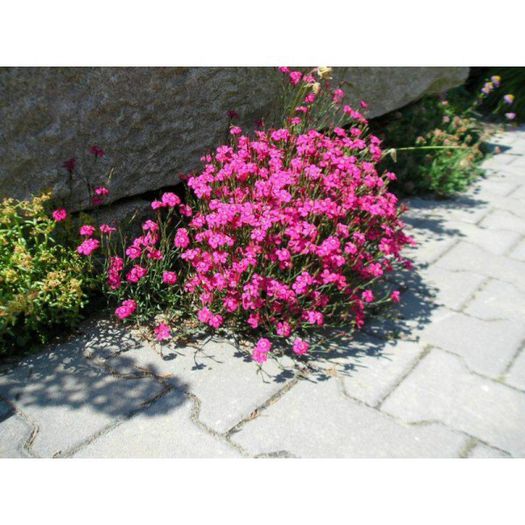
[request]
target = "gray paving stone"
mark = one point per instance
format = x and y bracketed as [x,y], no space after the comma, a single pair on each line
[493,187]
[516,374]
[376,367]
[14,432]
[518,252]
[498,300]
[512,172]
[497,161]
[487,347]
[468,257]
[442,389]
[453,288]
[69,399]
[519,193]
[504,220]
[160,431]
[466,208]
[428,249]
[494,241]
[226,382]
[512,205]
[482,452]
[315,420]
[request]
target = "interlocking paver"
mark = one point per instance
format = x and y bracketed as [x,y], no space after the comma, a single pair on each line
[376,367]
[482,451]
[441,388]
[516,374]
[504,220]
[69,399]
[468,257]
[495,241]
[227,384]
[453,289]
[14,433]
[163,430]
[487,346]
[314,420]
[518,252]
[498,300]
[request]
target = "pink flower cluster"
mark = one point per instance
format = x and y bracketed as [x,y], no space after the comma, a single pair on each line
[287,231]
[289,228]
[127,308]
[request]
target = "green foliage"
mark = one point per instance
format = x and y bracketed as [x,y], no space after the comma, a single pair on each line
[437,146]
[43,283]
[165,303]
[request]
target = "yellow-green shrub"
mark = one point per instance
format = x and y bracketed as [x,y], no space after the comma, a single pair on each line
[43,283]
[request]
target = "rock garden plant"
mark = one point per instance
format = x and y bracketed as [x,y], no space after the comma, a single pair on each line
[44,285]
[436,145]
[282,232]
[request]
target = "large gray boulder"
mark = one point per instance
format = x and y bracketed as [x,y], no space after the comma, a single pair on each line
[153,123]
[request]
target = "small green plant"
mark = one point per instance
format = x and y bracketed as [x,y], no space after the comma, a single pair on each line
[43,283]
[433,147]
[436,144]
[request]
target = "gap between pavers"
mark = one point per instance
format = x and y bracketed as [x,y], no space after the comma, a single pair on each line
[159,431]
[226,382]
[69,399]
[316,420]
[441,388]
[487,346]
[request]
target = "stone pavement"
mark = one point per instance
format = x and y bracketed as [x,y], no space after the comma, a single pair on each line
[443,377]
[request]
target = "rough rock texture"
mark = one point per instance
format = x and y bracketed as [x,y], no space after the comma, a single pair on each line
[154,123]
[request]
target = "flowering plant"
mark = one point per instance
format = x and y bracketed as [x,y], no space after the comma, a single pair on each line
[43,284]
[285,231]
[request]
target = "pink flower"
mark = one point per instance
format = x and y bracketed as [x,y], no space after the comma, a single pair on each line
[235,130]
[338,96]
[395,296]
[363,104]
[185,210]
[133,252]
[295,77]
[284,329]
[260,352]
[97,151]
[284,70]
[216,321]
[126,309]
[106,228]
[169,277]
[181,238]
[60,215]
[170,199]
[508,99]
[87,230]
[510,116]
[88,247]
[136,274]
[116,264]
[157,204]
[150,225]
[367,296]
[162,332]
[101,191]
[204,315]
[300,347]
